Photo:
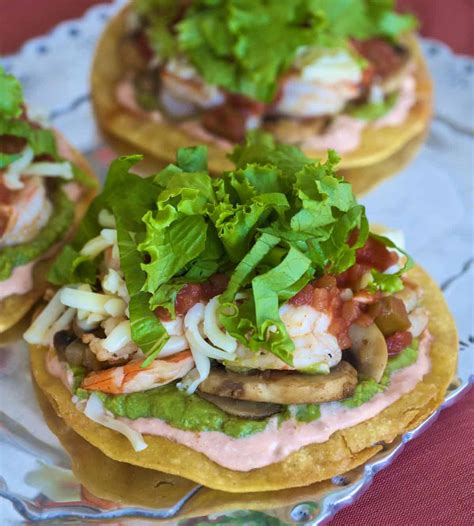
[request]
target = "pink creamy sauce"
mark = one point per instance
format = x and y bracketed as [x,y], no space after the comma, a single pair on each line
[276,443]
[343,134]
[58,369]
[20,281]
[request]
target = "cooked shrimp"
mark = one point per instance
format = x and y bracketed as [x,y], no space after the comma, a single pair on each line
[315,348]
[410,296]
[183,83]
[303,98]
[132,377]
[419,321]
[320,84]
[24,212]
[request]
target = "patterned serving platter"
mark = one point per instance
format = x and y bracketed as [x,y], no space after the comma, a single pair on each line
[36,482]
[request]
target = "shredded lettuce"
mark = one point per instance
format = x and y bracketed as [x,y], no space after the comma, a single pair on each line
[128,196]
[8,158]
[11,95]
[42,141]
[390,283]
[13,123]
[273,224]
[245,45]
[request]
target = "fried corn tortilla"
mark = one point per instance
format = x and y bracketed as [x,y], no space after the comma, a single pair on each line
[159,139]
[125,484]
[343,451]
[14,307]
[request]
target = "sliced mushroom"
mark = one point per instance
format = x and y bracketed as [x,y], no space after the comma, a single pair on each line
[283,387]
[242,408]
[369,349]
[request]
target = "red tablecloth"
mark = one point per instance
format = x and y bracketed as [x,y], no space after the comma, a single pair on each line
[448,20]
[431,482]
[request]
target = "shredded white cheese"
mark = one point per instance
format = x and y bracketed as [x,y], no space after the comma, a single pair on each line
[38,330]
[95,411]
[92,302]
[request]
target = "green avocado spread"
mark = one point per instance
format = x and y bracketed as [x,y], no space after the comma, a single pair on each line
[367,389]
[192,413]
[58,224]
[371,111]
[183,411]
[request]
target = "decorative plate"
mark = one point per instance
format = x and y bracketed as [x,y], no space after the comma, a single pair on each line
[36,482]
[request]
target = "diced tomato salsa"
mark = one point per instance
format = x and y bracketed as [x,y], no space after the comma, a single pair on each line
[192,293]
[398,341]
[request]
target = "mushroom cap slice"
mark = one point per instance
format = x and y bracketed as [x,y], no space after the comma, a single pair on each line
[369,349]
[283,387]
[242,408]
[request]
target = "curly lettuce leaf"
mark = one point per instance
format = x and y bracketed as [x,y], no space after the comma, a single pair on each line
[390,283]
[128,196]
[236,224]
[146,329]
[247,265]
[257,322]
[274,223]
[171,243]
[42,141]
[266,292]
[192,159]
[262,149]
[224,39]
[11,95]
[71,267]
[8,158]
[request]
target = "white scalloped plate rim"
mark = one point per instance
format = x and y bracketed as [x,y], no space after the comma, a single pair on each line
[309,513]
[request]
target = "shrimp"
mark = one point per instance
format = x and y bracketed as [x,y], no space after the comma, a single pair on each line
[410,295]
[132,377]
[304,98]
[419,321]
[181,82]
[320,84]
[315,348]
[24,212]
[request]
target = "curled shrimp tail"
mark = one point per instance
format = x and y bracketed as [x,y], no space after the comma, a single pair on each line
[133,377]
